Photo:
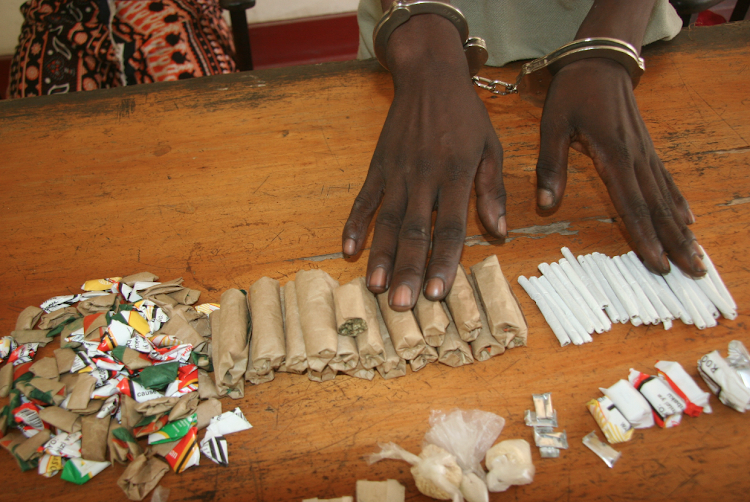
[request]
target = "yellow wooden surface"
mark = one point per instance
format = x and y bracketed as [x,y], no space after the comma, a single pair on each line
[225,179]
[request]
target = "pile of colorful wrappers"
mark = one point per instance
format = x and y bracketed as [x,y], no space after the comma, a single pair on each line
[578,296]
[644,400]
[132,353]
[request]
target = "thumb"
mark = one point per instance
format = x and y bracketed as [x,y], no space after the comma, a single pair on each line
[490,189]
[552,164]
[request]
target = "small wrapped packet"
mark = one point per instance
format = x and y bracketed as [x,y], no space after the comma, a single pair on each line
[509,463]
[631,404]
[724,381]
[157,377]
[666,404]
[454,351]
[685,387]
[141,476]
[503,312]
[64,445]
[94,437]
[463,307]
[228,423]
[614,425]
[403,329]
[38,336]
[349,302]
[49,465]
[230,344]
[186,406]
[267,344]
[23,353]
[427,356]
[317,316]
[186,382]
[28,317]
[207,410]
[45,367]
[7,346]
[546,436]
[123,446]
[150,424]
[603,450]
[79,471]
[187,453]
[380,491]
[432,320]
[137,391]
[60,418]
[296,357]
[174,430]
[105,284]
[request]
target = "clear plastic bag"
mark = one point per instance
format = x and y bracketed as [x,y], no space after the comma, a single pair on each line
[467,434]
[435,471]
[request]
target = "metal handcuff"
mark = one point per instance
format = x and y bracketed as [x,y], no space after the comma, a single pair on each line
[535,77]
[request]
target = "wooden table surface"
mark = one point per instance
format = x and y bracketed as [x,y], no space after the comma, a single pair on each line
[222,180]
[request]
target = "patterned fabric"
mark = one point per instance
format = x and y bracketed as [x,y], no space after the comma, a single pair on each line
[76,45]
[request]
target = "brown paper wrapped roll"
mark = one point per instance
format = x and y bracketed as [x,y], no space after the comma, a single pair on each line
[296,357]
[28,317]
[60,418]
[317,316]
[141,476]
[370,342]
[485,345]
[463,307]
[351,319]
[428,355]
[403,329]
[207,410]
[347,356]
[454,352]
[55,318]
[94,438]
[45,367]
[6,379]
[252,376]
[230,345]
[81,394]
[185,407]
[64,358]
[129,416]
[206,385]
[360,371]
[432,320]
[503,313]
[321,376]
[393,366]
[267,344]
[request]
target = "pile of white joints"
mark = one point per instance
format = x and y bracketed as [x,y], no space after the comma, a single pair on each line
[587,294]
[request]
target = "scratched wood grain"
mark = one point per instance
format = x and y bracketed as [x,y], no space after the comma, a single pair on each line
[225,179]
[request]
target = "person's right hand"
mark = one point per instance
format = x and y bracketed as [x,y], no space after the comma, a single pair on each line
[436,141]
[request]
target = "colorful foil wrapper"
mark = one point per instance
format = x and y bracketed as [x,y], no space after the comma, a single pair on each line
[140,343]
[174,430]
[117,333]
[613,424]
[724,381]
[186,382]
[79,471]
[123,438]
[50,465]
[216,448]
[58,302]
[150,425]
[137,391]
[24,353]
[27,418]
[186,454]
[7,346]
[667,406]
[101,284]
[159,376]
[181,353]
[603,450]
[207,308]
[65,445]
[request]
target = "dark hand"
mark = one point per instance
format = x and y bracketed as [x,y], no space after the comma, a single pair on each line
[590,106]
[436,141]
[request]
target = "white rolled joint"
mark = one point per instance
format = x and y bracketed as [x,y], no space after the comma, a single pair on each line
[567,297]
[576,297]
[645,306]
[668,299]
[700,307]
[681,310]
[614,303]
[594,305]
[710,307]
[643,281]
[577,333]
[546,310]
[680,291]
[590,282]
[716,279]
[708,288]
[623,292]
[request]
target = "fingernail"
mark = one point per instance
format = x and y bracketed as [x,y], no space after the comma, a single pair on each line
[544,198]
[698,264]
[501,226]
[377,278]
[665,262]
[349,246]
[434,288]
[696,249]
[691,216]
[402,296]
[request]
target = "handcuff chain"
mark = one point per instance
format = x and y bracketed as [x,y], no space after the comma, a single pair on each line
[495,86]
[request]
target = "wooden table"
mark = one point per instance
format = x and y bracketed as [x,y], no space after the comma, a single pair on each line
[225,179]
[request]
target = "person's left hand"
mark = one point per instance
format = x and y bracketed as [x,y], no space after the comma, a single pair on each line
[590,106]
